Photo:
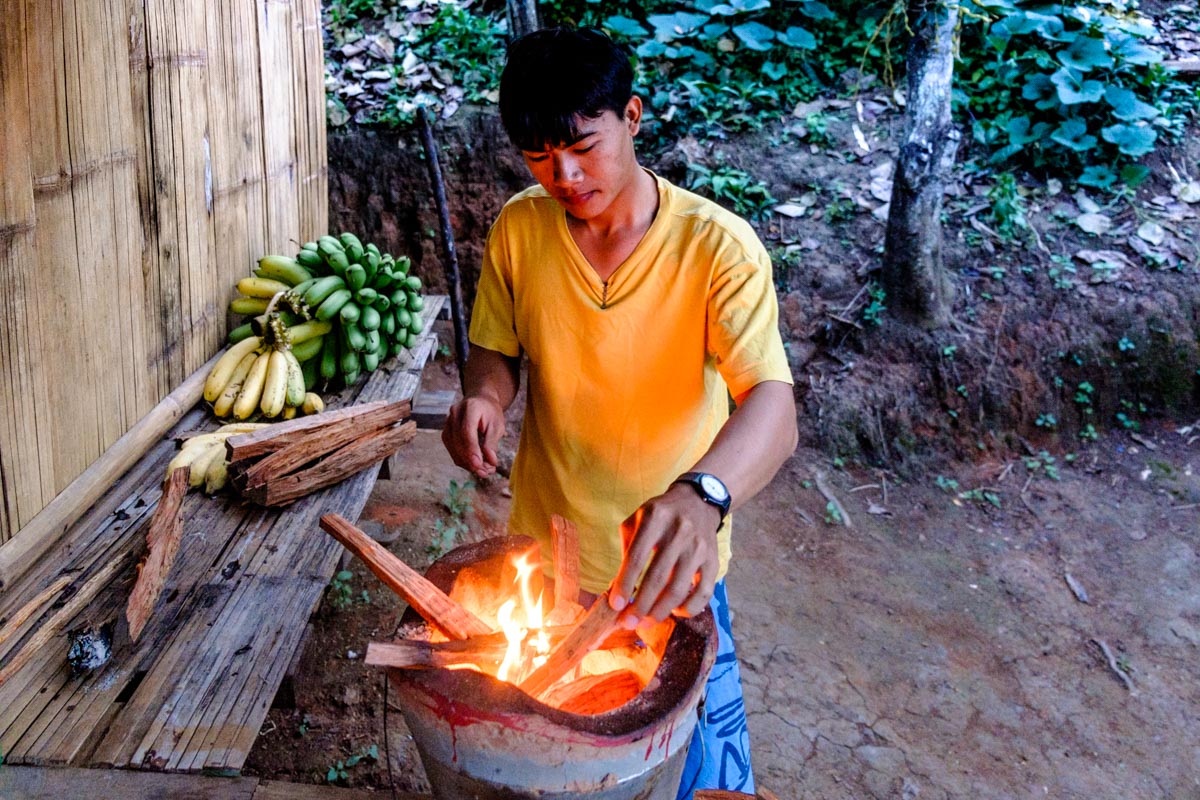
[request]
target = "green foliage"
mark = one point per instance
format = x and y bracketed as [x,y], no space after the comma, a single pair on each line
[341,594]
[1047,421]
[459,501]
[948,485]
[340,769]
[733,188]
[833,516]
[873,310]
[1074,86]
[1007,211]
[1042,464]
[980,495]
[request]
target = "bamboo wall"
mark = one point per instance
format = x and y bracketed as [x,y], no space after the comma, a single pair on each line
[150,151]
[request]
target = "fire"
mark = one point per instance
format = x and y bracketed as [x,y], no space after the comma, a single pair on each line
[526,633]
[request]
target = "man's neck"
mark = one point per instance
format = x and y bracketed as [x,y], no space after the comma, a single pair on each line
[631,213]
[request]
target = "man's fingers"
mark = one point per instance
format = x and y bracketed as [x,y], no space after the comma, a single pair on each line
[674,575]
[702,591]
[636,558]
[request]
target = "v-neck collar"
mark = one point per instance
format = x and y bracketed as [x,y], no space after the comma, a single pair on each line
[606,292]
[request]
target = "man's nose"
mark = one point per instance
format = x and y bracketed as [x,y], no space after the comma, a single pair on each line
[566,168]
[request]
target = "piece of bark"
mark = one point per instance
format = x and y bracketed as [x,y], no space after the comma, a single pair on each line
[14,623]
[333,468]
[485,649]
[593,629]
[281,434]
[426,599]
[565,540]
[163,537]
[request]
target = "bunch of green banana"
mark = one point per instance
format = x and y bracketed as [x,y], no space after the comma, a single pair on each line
[263,374]
[205,454]
[369,297]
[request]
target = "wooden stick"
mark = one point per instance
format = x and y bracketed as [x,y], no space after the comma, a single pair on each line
[489,648]
[565,539]
[429,601]
[595,694]
[281,434]
[163,537]
[828,494]
[13,624]
[42,532]
[55,625]
[334,468]
[590,632]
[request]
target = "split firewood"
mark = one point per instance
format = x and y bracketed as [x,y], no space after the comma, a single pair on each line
[366,416]
[595,694]
[565,539]
[163,537]
[335,467]
[14,623]
[434,605]
[57,623]
[482,650]
[313,444]
[594,628]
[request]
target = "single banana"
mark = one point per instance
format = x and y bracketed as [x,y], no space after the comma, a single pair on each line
[274,390]
[224,404]
[252,388]
[184,458]
[313,404]
[215,451]
[226,364]
[249,305]
[262,287]
[283,268]
[217,474]
[295,380]
[289,412]
[308,330]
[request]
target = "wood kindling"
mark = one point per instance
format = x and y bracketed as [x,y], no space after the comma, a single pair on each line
[596,625]
[14,623]
[486,649]
[162,538]
[565,539]
[333,468]
[434,605]
[281,434]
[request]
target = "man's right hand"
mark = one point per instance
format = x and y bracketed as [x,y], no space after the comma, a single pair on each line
[473,430]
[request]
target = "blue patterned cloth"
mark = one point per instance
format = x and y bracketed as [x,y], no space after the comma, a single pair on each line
[719,755]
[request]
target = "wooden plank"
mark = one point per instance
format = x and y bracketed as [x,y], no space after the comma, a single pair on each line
[20,553]
[162,538]
[275,22]
[434,605]
[595,626]
[565,541]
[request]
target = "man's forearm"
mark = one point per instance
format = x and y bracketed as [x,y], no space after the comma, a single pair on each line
[492,375]
[754,442]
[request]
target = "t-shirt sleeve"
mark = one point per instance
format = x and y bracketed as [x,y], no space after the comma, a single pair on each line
[493,317]
[743,323]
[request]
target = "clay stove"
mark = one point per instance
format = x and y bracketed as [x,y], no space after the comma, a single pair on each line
[482,739]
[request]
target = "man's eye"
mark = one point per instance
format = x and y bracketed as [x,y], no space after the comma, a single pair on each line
[581,150]
[542,157]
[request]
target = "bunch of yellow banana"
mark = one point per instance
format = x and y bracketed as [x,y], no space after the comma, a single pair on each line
[261,374]
[205,454]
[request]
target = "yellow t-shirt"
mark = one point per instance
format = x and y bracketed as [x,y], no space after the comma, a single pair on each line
[627,382]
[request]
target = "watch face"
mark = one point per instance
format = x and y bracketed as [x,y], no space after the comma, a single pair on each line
[713,487]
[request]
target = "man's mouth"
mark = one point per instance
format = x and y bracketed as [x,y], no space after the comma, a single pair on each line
[577,199]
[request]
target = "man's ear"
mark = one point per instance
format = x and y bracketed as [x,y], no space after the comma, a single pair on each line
[633,115]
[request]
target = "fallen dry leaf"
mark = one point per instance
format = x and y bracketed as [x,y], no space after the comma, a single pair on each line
[1152,232]
[1094,223]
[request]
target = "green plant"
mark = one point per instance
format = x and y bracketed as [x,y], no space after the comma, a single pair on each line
[459,502]
[304,725]
[833,516]
[980,495]
[1047,421]
[1089,433]
[341,593]
[1126,418]
[1042,463]
[1007,211]
[873,310]
[948,485]
[340,769]
[948,351]
[1075,85]
[1125,345]
[733,187]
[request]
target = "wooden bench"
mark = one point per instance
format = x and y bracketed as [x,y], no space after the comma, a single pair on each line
[193,692]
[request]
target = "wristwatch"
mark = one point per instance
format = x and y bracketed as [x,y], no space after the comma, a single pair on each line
[710,488]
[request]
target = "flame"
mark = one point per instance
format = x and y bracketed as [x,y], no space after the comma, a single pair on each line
[524,625]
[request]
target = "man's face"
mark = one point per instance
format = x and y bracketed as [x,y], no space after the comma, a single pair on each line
[587,175]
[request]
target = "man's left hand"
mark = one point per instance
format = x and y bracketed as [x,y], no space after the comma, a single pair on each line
[676,535]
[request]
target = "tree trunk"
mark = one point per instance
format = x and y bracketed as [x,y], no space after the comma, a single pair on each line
[522,18]
[913,274]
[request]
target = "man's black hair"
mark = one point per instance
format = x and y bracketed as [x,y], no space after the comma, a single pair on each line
[557,75]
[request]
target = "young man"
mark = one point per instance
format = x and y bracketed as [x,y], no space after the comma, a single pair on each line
[642,309]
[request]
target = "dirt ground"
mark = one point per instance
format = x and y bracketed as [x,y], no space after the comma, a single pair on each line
[934,646]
